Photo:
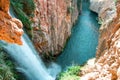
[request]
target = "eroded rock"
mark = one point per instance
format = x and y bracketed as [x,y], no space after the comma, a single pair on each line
[10,28]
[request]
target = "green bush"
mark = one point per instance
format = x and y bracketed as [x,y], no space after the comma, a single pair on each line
[72,73]
[5,68]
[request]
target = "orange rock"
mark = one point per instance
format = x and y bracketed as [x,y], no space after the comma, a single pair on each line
[10,28]
[4,5]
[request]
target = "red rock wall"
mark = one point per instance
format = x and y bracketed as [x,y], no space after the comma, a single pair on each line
[52,24]
[10,28]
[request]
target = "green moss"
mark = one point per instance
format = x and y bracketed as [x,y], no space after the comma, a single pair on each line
[24,10]
[72,73]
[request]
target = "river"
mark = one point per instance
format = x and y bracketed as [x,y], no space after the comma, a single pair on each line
[83,41]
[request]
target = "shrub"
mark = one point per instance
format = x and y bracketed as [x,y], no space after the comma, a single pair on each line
[5,68]
[72,73]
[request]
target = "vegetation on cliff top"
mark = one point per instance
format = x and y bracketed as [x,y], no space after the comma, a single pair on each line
[24,10]
[72,73]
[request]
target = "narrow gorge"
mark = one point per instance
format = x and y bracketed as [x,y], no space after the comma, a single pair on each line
[59,39]
[84,39]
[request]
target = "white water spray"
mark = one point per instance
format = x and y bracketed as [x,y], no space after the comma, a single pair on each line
[29,62]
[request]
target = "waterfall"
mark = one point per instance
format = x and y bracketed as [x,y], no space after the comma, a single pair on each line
[29,62]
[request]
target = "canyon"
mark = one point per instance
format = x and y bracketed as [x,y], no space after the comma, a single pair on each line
[52,23]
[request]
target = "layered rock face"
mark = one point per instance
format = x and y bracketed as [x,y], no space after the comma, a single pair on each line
[52,24]
[10,28]
[107,65]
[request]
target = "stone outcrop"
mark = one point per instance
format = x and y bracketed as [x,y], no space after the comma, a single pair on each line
[106,11]
[107,65]
[10,28]
[52,24]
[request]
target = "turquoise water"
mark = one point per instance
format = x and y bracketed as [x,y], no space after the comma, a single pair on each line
[83,41]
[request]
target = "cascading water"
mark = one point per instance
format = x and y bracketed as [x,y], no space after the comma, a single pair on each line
[29,61]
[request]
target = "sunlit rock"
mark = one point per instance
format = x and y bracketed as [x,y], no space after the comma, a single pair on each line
[10,28]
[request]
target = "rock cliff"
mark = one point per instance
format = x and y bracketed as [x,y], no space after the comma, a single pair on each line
[107,64]
[10,28]
[52,24]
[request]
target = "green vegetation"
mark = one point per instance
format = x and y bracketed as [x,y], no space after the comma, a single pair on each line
[7,68]
[24,9]
[72,73]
